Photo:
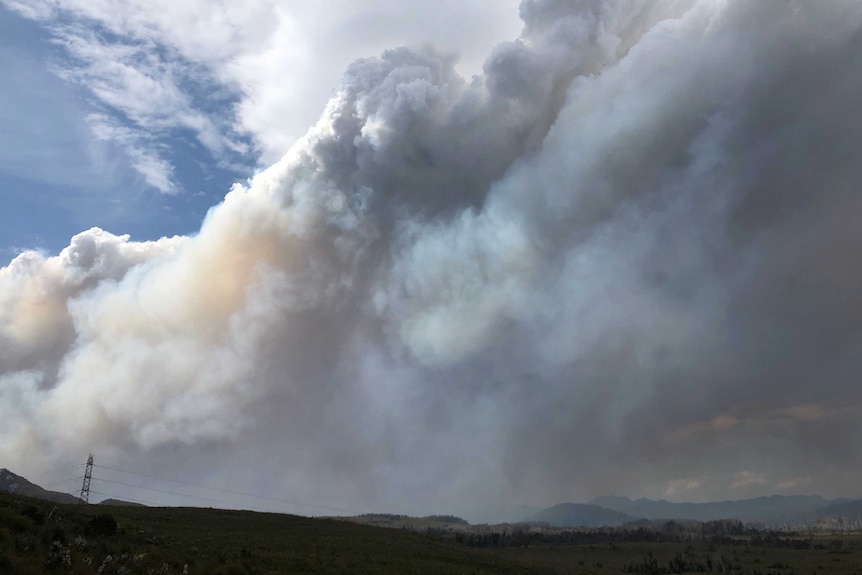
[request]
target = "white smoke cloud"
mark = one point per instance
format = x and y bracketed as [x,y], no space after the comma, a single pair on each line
[545,282]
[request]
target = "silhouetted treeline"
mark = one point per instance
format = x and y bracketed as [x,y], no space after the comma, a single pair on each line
[723,532]
[524,537]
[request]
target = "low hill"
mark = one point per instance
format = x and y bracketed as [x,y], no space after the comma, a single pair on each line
[11,483]
[768,510]
[84,539]
[580,515]
[496,514]
[120,503]
[447,522]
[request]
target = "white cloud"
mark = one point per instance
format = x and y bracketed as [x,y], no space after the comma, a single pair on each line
[142,152]
[747,479]
[280,61]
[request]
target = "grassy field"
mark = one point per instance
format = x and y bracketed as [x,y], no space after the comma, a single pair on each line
[839,554]
[41,537]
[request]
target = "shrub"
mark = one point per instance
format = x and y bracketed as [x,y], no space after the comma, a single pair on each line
[58,555]
[54,533]
[103,524]
[34,513]
[14,522]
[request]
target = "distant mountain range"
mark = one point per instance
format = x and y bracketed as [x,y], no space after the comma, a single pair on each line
[773,510]
[614,511]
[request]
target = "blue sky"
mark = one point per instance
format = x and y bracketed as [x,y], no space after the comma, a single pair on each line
[138,117]
[58,178]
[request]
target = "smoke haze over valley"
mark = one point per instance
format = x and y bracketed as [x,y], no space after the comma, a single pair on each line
[623,257]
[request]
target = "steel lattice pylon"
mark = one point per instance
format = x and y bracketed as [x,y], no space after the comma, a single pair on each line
[88,475]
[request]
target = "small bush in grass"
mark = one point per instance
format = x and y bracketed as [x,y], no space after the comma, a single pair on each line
[33,513]
[58,555]
[53,533]
[103,524]
[14,522]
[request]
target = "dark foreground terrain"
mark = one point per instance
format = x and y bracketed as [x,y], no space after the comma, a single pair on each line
[44,537]
[38,537]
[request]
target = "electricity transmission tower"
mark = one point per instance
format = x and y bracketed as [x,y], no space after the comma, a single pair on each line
[88,475]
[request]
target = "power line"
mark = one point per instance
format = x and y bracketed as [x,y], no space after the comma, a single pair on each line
[52,472]
[122,498]
[118,498]
[68,479]
[157,490]
[161,491]
[53,478]
[232,492]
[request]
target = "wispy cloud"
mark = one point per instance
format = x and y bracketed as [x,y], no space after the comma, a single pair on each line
[44,135]
[148,87]
[142,152]
[747,479]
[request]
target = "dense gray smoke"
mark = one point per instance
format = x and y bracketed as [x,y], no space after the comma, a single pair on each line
[625,259]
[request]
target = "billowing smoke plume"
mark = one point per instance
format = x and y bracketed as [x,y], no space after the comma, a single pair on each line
[625,259]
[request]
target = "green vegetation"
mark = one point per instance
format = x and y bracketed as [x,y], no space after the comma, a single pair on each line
[39,536]
[823,554]
[44,537]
